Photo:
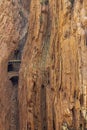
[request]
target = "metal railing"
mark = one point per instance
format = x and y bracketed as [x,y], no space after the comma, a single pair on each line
[14,61]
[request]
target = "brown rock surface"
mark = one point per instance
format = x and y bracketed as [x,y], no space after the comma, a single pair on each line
[53,75]
[52,93]
[11,27]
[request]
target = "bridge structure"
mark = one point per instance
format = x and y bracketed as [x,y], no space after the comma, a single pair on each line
[14,61]
[13,74]
[13,70]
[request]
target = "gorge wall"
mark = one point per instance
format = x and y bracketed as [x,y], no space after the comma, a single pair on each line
[13,30]
[51,93]
[53,74]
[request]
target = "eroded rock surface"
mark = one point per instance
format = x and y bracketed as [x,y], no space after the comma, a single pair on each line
[13,29]
[53,75]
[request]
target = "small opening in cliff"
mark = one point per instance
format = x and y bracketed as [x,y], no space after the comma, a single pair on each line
[10,67]
[14,65]
[14,80]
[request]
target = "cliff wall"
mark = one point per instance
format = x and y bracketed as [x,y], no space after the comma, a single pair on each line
[53,79]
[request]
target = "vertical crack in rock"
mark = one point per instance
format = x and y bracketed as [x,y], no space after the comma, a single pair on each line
[43,108]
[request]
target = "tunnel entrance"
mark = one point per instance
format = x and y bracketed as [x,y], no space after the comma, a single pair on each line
[10,67]
[14,65]
[14,80]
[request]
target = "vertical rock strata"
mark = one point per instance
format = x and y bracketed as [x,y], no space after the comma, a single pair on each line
[8,41]
[11,26]
[53,75]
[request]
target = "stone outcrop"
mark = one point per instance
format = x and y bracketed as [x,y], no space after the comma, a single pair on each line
[52,90]
[53,74]
[13,29]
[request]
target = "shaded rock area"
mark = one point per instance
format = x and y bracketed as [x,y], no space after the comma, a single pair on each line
[43,83]
[13,28]
[14,117]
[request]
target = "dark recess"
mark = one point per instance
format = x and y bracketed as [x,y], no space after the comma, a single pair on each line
[14,80]
[10,67]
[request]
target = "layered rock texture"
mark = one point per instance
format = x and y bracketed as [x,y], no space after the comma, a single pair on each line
[13,29]
[51,93]
[53,74]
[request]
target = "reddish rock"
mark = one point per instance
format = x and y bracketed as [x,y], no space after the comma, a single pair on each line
[53,71]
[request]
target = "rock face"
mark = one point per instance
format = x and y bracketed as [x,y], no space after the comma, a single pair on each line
[52,90]
[53,74]
[11,26]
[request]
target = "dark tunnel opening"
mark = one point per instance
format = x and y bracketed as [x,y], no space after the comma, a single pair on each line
[10,67]
[14,80]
